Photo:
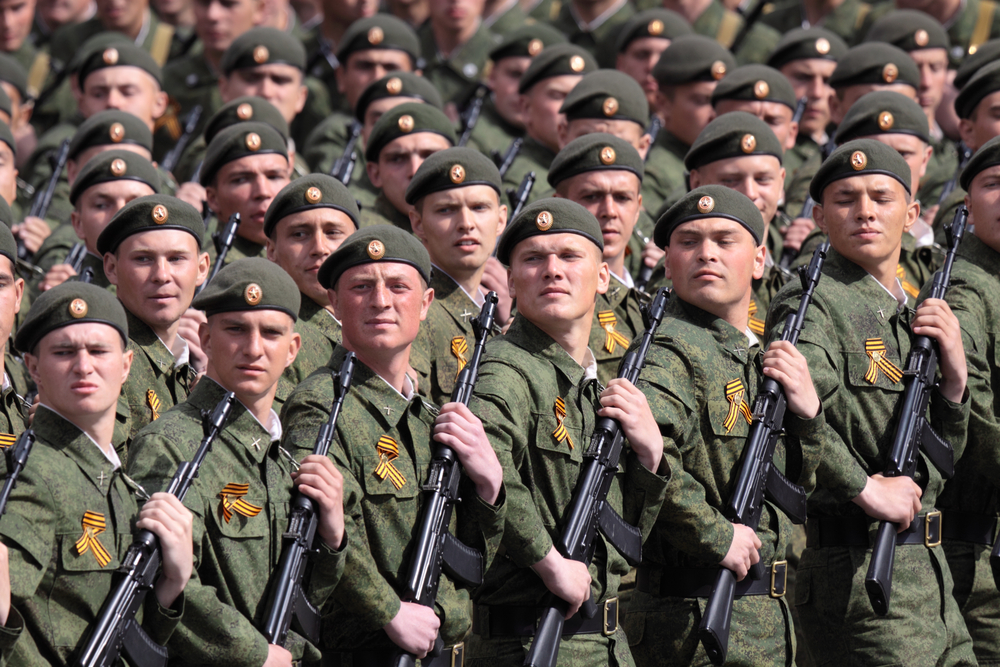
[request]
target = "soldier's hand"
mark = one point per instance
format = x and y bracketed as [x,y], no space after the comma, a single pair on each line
[935,319]
[4,585]
[33,231]
[786,365]
[895,499]
[622,401]
[192,193]
[318,479]
[188,329]
[495,280]
[651,254]
[277,656]
[414,628]
[165,516]
[743,552]
[56,276]
[461,430]
[566,578]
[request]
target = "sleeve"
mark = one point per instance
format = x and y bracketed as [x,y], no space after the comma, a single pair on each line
[643,492]
[158,621]
[327,570]
[481,524]
[9,634]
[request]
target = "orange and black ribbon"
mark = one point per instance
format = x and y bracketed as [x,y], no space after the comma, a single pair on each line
[755,325]
[736,395]
[6,440]
[232,501]
[561,434]
[459,348]
[608,321]
[875,349]
[153,401]
[908,287]
[93,525]
[388,451]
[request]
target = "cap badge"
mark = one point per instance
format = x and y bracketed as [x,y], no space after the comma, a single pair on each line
[376,249]
[535,47]
[253,141]
[761,89]
[375,36]
[78,308]
[244,111]
[718,70]
[889,73]
[885,121]
[394,86]
[822,46]
[116,132]
[608,155]
[406,123]
[313,195]
[577,63]
[118,167]
[610,106]
[748,143]
[110,56]
[859,160]
[253,294]
[655,27]
[260,54]
[457,173]
[544,221]
[921,38]
[160,214]
[706,204]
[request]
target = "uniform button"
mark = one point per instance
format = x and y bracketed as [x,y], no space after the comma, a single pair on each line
[191,80]
[470,70]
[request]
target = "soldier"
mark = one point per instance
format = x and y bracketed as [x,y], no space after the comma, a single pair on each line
[16,18]
[594,25]
[844,18]
[970,24]
[240,499]
[856,339]
[606,101]
[8,165]
[711,19]
[553,73]
[641,41]
[398,144]
[14,83]
[132,19]
[455,46]
[13,386]
[323,43]
[377,284]
[69,520]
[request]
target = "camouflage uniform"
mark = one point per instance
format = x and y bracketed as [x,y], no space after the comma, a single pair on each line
[940,169]
[723,25]
[322,64]
[492,132]
[600,39]
[384,213]
[190,81]
[326,144]
[536,157]
[664,170]
[617,318]
[846,20]
[976,22]
[510,19]
[456,76]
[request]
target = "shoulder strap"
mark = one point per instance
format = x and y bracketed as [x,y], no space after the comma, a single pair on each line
[160,48]
[728,27]
[984,22]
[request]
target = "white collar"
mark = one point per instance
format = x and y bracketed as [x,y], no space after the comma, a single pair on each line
[751,338]
[184,356]
[900,297]
[144,30]
[600,20]
[626,280]
[111,455]
[500,11]
[589,365]
[409,392]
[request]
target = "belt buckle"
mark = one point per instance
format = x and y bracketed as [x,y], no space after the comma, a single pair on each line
[779,578]
[458,654]
[932,529]
[610,617]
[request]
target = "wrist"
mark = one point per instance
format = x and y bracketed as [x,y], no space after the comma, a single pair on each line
[167,591]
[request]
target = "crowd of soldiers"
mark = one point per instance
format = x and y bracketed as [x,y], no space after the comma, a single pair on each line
[213,198]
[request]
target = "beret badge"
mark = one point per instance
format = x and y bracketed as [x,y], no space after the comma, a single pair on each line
[859,160]
[655,27]
[921,38]
[253,141]
[253,294]
[544,221]
[885,121]
[576,63]
[376,249]
[457,173]
[375,36]
[160,214]
[110,56]
[313,195]
[535,47]
[610,106]
[706,204]
[761,89]
[244,111]
[718,70]
[748,143]
[608,155]
[890,73]
[261,54]
[78,308]
[118,167]
[822,46]
[406,123]
[116,132]
[394,85]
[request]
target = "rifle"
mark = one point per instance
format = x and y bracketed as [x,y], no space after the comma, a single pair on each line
[758,477]
[589,510]
[964,153]
[40,204]
[653,131]
[76,256]
[287,597]
[343,168]
[471,114]
[173,156]
[913,433]
[17,458]
[510,155]
[646,272]
[437,549]
[800,109]
[748,22]
[88,275]
[519,199]
[223,242]
[115,628]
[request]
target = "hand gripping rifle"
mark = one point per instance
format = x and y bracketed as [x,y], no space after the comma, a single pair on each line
[173,156]
[287,597]
[223,243]
[913,433]
[115,628]
[758,477]
[343,168]
[437,549]
[17,458]
[42,201]
[589,510]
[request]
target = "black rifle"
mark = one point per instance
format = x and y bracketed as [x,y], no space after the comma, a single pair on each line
[964,153]
[343,168]
[472,112]
[758,477]
[40,204]
[115,628]
[436,549]
[589,510]
[173,156]
[88,275]
[646,272]
[519,199]
[510,155]
[653,131]
[17,458]
[748,22]
[287,597]
[913,433]
[800,109]
[223,242]
[76,256]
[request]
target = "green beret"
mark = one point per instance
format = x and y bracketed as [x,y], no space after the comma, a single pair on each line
[710,201]
[910,30]
[14,73]
[883,112]
[984,82]
[243,109]
[607,94]
[553,215]
[8,246]
[755,83]
[875,63]
[857,158]
[805,44]
[657,22]
[6,104]
[527,41]
[398,84]
[70,303]
[264,46]
[378,243]
[691,58]
[457,167]
[407,118]
[110,128]
[239,141]
[7,137]
[987,156]
[735,134]
[152,212]
[98,54]
[381,31]
[596,151]
[251,283]
[556,60]
[984,55]
[308,193]
[115,165]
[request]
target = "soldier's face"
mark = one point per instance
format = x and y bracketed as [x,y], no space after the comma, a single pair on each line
[760,177]
[810,78]
[613,198]
[540,107]
[125,89]
[281,85]
[503,81]
[933,66]
[15,23]
[638,60]
[301,242]
[98,204]
[459,227]
[983,124]
[8,174]
[631,132]
[219,22]
[556,279]
[916,153]
[56,13]
[247,186]
[983,201]
[399,161]
[712,263]
[687,110]
[349,11]
[11,291]
[456,14]
[377,109]
[249,350]
[368,66]
[121,14]
[380,306]
[777,116]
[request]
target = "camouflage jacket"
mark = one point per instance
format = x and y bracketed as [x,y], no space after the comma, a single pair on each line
[845,20]
[315,352]
[664,170]
[384,213]
[723,25]
[457,75]
[492,134]
[536,157]
[599,40]
[617,320]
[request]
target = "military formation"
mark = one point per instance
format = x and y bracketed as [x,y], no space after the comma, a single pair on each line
[530,332]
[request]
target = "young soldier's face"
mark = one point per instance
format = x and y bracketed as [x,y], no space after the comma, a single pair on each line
[380,306]
[20,114]
[810,78]
[219,22]
[777,116]
[760,177]
[613,198]
[983,201]
[11,291]
[459,227]
[631,132]
[379,108]
[15,23]
[540,107]
[364,67]
[399,161]
[638,60]
[687,109]
[123,88]
[556,279]
[79,369]
[249,350]
[456,15]
[281,85]
[156,273]
[983,124]
[247,186]
[121,15]
[503,80]
[712,263]
[348,11]
[916,153]
[301,242]
[98,204]
[56,13]
[933,66]
[8,174]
